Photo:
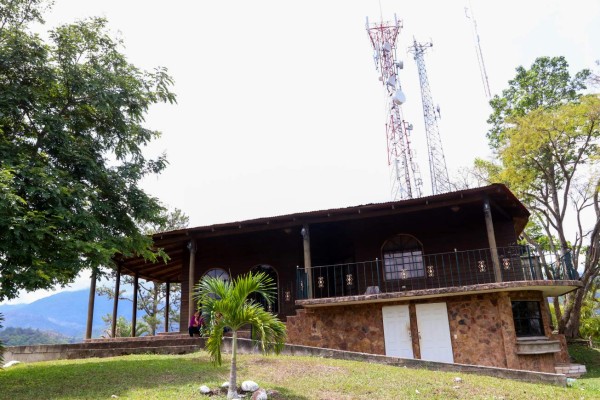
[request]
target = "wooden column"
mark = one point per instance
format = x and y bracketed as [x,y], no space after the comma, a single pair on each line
[192,278]
[90,316]
[167,298]
[113,329]
[489,224]
[307,260]
[135,296]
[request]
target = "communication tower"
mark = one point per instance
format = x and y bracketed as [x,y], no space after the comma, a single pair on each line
[440,183]
[404,173]
[482,70]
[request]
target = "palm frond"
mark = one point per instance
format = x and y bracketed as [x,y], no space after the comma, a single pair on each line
[259,283]
[267,330]
[228,304]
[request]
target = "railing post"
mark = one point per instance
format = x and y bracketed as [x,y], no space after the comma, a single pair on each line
[487,211]
[307,260]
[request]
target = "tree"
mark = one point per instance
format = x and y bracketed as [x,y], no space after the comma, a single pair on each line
[71,138]
[590,317]
[595,77]
[546,84]
[152,295]
[123,327]
[227,304]
[151,299]
[545,135]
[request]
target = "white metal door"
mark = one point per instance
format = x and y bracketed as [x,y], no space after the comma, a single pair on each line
[434,332]
[396,331]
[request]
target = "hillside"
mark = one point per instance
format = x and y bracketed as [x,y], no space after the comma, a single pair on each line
[64,313]
[28,336]
[286,377]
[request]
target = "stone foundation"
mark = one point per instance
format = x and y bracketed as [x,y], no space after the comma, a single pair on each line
[481,329]
[354,328]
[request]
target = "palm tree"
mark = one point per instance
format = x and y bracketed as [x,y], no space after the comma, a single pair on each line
[226,304]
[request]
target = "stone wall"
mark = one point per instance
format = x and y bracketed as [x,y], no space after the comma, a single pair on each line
[354,328]
[481,330]
[475,328]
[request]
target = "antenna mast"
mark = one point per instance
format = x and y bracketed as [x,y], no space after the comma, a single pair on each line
[440,183]
[404,172]
[482,70]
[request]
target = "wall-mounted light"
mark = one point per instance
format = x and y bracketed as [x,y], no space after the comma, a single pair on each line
[481,265]
[349,279]
[321,282]
[430,271]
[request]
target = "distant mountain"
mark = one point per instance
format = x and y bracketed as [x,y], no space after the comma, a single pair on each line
[64,313]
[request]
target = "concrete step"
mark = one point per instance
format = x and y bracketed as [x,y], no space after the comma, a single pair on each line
[85,350]
[138,342]
[571,370]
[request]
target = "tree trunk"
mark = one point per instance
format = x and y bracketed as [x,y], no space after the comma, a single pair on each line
[557,313]
[232,391]
[569,324]
[571,328]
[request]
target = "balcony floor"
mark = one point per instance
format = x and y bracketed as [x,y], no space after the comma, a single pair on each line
[548,288]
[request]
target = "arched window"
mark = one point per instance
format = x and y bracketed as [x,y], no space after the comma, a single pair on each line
[403,258]
[217,273]
[271,272]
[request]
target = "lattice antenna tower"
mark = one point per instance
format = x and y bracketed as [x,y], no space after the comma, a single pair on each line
[440,183]
[405,179]
[482,70]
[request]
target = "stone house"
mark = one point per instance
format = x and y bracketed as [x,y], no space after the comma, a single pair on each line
[438,278]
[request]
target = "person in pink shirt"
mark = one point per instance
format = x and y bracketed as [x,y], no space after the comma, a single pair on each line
[196,322]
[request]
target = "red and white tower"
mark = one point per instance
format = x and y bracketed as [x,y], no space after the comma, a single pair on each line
[404,172]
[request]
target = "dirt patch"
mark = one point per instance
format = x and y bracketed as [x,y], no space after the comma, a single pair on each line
[296,368]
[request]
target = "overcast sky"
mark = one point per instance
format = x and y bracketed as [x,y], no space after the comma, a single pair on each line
[279,107]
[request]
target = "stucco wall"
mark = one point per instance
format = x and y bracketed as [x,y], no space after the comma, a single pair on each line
[481,329]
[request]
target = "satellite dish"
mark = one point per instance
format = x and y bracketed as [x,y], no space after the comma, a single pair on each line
[400,64]
[391,81]
[387,47]
[399,97]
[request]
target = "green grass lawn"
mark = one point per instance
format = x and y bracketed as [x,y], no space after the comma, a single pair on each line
[179,377]
[591,359]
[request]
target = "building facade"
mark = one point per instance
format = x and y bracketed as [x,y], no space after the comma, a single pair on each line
[438,278]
